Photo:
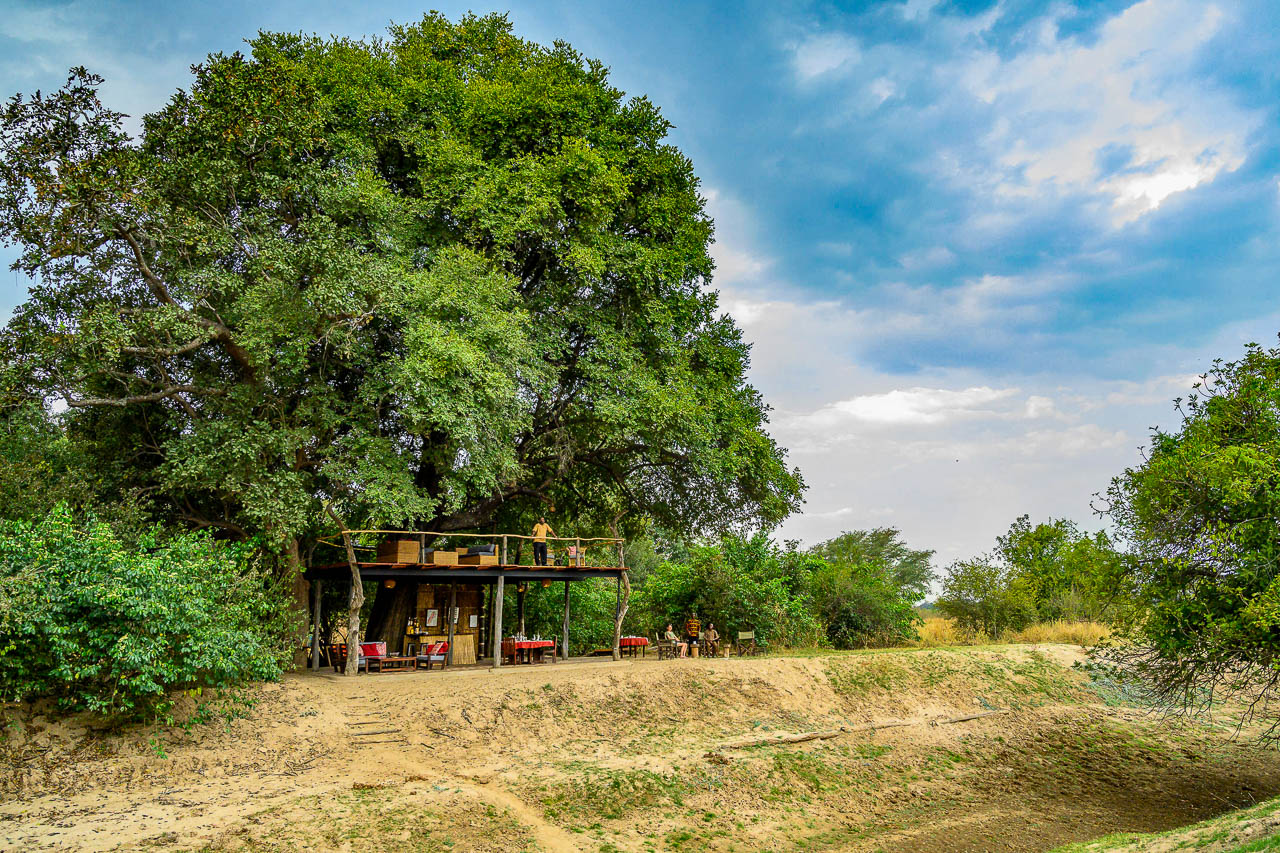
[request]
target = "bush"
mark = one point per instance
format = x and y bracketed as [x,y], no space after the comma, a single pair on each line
[740,585]
[985,595]
[862,605]
[102,627]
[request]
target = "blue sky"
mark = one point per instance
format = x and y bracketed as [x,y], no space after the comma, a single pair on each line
[978,246]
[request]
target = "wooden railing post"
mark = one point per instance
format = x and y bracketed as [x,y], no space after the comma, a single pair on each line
[503,561]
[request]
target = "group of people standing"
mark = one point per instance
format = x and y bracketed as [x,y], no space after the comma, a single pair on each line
[707,641]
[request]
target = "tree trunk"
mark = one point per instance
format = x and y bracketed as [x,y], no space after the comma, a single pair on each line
[300,589]
[624,598]
[384,601]
[316,593]
[402,607]
[354,603]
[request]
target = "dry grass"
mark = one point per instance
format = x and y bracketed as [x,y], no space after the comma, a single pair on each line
[940,631]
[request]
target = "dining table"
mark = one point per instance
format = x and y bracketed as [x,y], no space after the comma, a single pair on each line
[633,644]
[513,650]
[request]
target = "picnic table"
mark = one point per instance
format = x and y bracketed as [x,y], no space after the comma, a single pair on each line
[512,649]
[632,643]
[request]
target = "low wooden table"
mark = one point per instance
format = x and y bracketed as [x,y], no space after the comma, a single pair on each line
[393,663]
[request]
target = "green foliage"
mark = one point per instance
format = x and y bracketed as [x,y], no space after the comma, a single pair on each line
[1072,575]
[448,277]
[985,595]
[908,569]
[591,609]
[740,585]
[1199,516]
[101,626]
[1038,572]
[39,466]
[862,604]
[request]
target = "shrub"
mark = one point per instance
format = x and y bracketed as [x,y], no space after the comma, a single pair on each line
[862,605]
[985,595]
[102,627]
[740,584]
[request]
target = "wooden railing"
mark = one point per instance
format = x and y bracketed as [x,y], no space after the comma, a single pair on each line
[340,540]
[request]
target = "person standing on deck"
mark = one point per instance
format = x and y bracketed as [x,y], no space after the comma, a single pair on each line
[541,531]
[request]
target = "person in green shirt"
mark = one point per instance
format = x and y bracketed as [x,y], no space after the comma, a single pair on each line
[541,531]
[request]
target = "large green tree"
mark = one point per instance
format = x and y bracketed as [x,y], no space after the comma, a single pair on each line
[910,569]
[1202,518]
[448,278]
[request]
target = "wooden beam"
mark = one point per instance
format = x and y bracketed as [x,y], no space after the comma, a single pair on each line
[497,622]
[453,606]
[520,591]
[482,642]
[565,647]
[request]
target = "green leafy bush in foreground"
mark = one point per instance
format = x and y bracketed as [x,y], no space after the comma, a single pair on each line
[100,626]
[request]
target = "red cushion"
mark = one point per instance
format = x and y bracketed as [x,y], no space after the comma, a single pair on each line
[373,650]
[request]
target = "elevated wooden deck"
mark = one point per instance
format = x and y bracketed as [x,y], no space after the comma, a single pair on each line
[431,572]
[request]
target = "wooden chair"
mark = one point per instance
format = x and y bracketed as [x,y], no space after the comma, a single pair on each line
[666,648]
[747,644]
[543,653]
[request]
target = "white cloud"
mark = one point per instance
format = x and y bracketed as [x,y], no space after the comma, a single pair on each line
[907,406]
[819,55]
[1064,104]
[735,263]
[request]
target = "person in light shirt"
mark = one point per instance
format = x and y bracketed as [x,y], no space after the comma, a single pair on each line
[681,646]
[541,531]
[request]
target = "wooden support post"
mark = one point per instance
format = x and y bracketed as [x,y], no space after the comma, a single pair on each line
[315,624]
[497,622]
[565,647]
[577,552]
[520,591]
[617,622]
[503,561]
[453,606]
[482,642]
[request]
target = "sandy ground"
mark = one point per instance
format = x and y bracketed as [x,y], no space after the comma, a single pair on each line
[628,756]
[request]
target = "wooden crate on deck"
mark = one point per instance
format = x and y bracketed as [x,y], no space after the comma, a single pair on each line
[398,551]
[478,560]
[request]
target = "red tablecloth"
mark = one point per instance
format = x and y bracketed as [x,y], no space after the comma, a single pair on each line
[527,644]
[634,641]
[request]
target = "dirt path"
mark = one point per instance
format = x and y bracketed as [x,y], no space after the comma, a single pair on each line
[590,756]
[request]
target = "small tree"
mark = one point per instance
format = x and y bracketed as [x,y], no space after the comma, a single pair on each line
[861,604]
[1200,516]
[986,595]
[909,569]
[1071,574]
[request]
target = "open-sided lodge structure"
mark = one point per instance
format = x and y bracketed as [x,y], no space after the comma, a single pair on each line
[459,590]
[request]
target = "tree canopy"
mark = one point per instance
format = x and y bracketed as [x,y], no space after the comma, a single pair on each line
[1199,515]
[447,277]
[909,569]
